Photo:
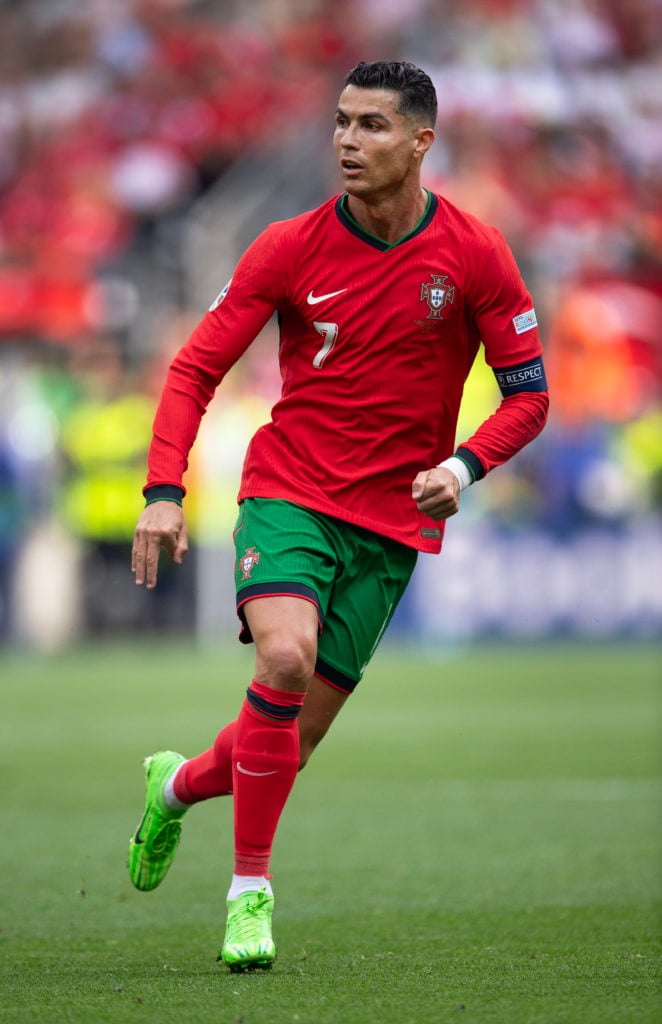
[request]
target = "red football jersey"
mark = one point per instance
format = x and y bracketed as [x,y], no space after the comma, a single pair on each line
[376,342]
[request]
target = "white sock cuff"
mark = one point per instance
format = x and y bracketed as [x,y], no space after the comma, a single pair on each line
[248,883]
[169,792]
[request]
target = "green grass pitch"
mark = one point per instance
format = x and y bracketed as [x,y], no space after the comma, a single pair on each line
[478,839]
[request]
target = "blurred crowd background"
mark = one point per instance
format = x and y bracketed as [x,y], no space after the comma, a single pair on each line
[143,143]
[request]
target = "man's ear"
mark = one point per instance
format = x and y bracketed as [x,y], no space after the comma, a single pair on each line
[424,139]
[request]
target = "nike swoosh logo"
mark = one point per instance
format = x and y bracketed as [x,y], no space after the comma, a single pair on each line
[245,771]
[312,300]
[138,839]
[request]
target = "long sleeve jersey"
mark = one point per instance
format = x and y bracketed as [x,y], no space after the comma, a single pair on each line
[376,342]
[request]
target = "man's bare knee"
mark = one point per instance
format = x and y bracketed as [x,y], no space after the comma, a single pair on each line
[284,629]
[285,663]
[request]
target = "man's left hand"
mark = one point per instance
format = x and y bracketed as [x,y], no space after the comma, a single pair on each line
[436,493]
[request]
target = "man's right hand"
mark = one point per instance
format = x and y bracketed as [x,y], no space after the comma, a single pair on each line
[161,525]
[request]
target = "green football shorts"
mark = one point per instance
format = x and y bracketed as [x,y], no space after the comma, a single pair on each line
[355,578]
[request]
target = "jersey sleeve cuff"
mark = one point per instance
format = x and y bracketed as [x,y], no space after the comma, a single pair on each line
[164,492]
[472,462]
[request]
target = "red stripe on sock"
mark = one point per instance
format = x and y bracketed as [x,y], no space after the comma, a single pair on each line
[284,698]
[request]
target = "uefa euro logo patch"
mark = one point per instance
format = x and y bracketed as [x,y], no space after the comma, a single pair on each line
[437,293]
[525,321]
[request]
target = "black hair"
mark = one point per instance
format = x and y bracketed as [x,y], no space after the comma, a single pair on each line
[417,93]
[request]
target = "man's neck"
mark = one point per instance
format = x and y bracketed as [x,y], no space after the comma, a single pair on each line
[391,218]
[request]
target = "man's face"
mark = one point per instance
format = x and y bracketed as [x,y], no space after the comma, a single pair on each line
[377,147]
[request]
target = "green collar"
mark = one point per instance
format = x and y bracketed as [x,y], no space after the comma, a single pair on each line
[355,227]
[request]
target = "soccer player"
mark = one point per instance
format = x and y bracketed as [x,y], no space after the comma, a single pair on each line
[384,294]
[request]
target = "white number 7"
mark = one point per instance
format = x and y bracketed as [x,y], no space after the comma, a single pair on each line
[329,332]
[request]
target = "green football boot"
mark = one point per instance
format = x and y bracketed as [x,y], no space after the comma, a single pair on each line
[153,846]
[248,945]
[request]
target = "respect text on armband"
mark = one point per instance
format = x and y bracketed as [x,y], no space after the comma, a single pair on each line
[529,376]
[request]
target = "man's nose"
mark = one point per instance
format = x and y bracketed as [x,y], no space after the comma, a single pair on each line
[347,138]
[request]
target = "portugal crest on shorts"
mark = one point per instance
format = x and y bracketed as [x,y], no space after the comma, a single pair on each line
[437,293]
[248,561]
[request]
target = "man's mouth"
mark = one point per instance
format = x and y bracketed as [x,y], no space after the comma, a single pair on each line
[350,166]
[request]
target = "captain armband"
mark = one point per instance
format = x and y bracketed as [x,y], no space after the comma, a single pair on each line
[528,376]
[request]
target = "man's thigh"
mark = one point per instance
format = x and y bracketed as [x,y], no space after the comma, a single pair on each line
[283,550]
[355,579]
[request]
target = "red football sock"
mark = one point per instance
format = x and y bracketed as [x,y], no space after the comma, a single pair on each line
[209,774]
[265,759]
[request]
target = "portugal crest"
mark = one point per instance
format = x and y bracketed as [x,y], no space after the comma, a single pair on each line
[437,293]
[248,561]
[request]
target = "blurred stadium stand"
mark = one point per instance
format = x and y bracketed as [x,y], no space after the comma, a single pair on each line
[144,143]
